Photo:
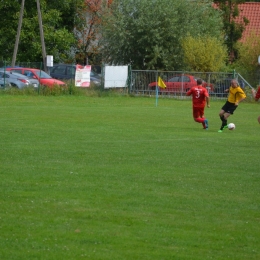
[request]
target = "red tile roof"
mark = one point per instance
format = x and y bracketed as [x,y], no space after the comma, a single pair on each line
[251,11]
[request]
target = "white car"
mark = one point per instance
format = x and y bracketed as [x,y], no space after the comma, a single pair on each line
[17,80]
[3,83]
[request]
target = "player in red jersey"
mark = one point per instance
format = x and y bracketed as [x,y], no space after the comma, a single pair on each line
[256,96]
[200,97]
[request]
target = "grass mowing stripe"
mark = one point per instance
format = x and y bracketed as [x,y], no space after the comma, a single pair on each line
[118,178]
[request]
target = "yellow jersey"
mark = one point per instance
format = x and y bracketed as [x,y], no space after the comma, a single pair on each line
[235,94]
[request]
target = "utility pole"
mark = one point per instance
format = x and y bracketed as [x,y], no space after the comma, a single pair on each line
[41,34]
[18,34]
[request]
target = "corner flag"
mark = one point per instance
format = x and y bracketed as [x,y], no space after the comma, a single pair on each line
[161,83]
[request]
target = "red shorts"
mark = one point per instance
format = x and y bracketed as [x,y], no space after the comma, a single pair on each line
[198,112]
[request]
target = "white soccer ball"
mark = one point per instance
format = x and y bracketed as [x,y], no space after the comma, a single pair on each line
[231,126]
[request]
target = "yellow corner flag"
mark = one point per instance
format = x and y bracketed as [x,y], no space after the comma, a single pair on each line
[161,83]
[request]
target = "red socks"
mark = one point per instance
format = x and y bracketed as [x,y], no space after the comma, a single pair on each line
[200,120]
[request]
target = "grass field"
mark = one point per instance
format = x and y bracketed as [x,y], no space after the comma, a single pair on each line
[119,178]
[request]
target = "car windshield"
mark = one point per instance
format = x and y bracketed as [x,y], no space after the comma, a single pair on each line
[43,75]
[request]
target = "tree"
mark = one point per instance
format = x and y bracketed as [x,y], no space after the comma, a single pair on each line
[8,27]
[147,34]
[87,30]
[57,29]
[233,30]
[204,54]
[247,64]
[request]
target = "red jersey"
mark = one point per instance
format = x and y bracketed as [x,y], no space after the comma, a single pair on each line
[257,95]
[199,95]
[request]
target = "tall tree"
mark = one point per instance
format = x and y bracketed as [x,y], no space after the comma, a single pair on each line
[233,30]
[147,33]
[57,29]
[87,30]
[8,27]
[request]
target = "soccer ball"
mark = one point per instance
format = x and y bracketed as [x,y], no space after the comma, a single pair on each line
[231,126]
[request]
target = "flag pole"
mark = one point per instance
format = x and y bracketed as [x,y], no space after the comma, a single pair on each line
[156,102]
[156,95]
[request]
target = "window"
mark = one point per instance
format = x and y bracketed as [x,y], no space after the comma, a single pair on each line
[174,79]
[184,79]
[71,70]
[3,75]
[28,73]
[60,70]
[17,71]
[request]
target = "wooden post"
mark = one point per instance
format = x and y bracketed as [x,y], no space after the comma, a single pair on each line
[18,34]
[42,36]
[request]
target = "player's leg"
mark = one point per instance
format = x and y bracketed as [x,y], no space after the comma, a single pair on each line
[221,114]
[198,115]
[199,120]
[205,122]
[224,118]
[230,108]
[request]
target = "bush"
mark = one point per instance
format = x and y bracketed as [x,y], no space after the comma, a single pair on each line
[69,89]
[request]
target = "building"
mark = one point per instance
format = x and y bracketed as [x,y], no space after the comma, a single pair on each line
[250,10]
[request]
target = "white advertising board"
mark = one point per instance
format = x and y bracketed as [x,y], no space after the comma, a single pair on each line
[116,76]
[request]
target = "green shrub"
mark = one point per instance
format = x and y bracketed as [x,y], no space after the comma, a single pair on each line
[69,89]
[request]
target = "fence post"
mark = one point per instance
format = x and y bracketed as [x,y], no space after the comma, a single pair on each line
[4,72]
[157,88]
[129,79]
[71,80]
[182,77]
[40,78]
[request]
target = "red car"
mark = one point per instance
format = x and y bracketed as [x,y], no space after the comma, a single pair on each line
[44,78]
[181,84]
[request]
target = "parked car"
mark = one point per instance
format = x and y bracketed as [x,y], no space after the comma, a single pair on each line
[17,80]
[181,84]
[43,77]
[68,71]
[3,83]
[223,84]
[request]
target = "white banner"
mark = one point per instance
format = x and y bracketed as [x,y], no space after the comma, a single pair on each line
[82,76]
[116,76]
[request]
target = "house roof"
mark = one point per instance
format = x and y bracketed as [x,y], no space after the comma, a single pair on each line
[250,10]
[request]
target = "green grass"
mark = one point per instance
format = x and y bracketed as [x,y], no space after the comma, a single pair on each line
[119,178]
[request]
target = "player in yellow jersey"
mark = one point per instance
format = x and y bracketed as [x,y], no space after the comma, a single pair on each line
[236,95]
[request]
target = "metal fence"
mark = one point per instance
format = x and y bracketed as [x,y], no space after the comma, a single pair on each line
[144,82]
[179,82]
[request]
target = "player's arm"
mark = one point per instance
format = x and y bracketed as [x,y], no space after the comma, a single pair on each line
[256,95]
[188,93]
[240,100]
[207,101]
[226,90]
[241,95]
